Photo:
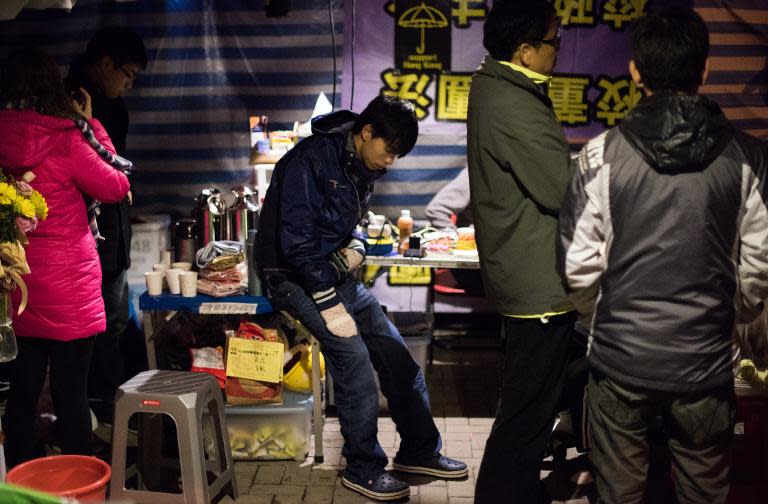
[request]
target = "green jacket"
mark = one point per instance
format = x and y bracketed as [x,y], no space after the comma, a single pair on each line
[519,168]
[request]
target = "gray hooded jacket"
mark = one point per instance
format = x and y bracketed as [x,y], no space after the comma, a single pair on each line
[666,220]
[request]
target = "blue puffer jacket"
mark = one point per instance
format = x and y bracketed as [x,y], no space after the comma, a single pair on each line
[318,193]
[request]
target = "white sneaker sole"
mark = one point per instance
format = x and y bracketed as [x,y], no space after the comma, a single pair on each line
[375,495]
[437,473]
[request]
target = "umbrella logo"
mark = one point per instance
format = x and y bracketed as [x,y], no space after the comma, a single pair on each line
[422,17]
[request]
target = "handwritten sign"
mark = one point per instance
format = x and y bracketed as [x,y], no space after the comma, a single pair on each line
[255,360]
[228,308]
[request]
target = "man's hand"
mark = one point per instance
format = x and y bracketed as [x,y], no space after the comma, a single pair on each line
[339,321]
[353,257]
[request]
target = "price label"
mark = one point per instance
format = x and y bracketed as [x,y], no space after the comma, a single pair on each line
[227,308]
[255,360]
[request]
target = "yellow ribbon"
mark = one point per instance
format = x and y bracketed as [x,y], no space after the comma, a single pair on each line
[13,264]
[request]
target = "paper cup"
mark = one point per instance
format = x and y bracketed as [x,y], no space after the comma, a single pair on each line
[161,267]
[172,277]
[166,257]
[154,282]
[188,283]
[184,266]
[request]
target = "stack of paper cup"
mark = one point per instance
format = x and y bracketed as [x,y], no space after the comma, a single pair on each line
[184,266]
[188,283]
[172,277]
[166,258]
[154,282]
[161,267]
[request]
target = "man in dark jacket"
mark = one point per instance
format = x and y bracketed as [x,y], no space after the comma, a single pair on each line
[306,251]
[518,173]
[107,69]
[667,216]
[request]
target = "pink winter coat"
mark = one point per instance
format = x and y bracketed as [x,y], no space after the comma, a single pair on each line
[65,300]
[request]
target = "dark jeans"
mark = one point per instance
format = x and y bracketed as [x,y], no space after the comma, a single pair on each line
[698,428]
[349,362]
[68,376]
[535,359]
[107,371]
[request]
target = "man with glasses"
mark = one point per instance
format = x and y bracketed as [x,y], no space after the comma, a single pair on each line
[518,173]
[107,69]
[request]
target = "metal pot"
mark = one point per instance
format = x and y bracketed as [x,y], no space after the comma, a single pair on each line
[243,214]
[211,215]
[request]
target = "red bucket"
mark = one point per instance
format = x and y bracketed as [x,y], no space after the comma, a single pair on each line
[75,476]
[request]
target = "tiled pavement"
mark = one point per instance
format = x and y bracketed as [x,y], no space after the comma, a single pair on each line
[463,393]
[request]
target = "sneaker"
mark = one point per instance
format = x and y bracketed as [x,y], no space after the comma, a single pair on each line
[438,467]
[384,488]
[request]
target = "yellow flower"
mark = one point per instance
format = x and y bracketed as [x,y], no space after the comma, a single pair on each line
[41,207]
[24,207]
[7,193]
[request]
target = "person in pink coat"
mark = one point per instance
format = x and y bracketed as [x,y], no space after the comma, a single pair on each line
[65,309]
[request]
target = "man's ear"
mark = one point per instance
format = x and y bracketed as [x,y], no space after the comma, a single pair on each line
[367,132]
[635,73]
[524,53]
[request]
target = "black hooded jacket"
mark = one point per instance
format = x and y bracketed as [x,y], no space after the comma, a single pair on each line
[318,193]
[667,217]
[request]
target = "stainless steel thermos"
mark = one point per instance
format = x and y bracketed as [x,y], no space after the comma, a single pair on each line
[210,213]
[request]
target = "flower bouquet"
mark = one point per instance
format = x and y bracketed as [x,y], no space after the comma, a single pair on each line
[20,209]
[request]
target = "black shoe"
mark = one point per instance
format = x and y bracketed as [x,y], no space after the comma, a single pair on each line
[384,488]
[437,467]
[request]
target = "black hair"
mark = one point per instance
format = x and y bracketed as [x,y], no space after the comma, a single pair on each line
[670,49]
[393,120]
[122,44]
[510,24]
[30,79]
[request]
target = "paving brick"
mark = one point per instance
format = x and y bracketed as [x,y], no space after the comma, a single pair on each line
[387,439]
[271,474]
[255,499]
[457,421]
[459,449]
[288,499]
[478,441]
[461,488]
[296,474]
[323,476]
[318,495]
[276,490]
[481,421]
[433,495]
[451,427]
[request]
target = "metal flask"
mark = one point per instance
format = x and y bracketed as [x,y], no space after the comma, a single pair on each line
[185,240]
[211,216]
[243,214]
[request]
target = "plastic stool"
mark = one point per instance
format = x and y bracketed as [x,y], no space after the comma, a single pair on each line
[183,397]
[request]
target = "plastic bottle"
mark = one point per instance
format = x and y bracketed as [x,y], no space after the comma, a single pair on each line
[405,225]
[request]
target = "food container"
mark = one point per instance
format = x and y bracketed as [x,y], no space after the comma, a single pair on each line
[271,431]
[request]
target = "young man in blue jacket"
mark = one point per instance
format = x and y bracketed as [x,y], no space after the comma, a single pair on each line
[306,252]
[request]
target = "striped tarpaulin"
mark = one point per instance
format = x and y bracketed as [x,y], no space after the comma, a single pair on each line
[738,79]
[211,65]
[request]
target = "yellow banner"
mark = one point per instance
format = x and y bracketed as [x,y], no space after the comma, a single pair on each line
[255,360]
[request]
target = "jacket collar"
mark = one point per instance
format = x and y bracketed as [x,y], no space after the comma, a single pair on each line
[493,68]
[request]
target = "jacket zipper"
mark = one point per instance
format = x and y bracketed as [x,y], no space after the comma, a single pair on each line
[357,194]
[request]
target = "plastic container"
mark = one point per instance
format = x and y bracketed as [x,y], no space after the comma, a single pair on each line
[150,239]
[271,431]
[73,476]
[405,226]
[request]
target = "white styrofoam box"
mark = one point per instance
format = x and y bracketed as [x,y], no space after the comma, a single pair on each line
[150,238]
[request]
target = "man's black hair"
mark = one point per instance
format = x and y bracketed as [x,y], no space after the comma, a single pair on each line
[670,49]
[122,44]
[511,23]
[393,120]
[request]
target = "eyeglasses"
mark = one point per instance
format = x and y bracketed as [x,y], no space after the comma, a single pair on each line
[554,42]
[132,74]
